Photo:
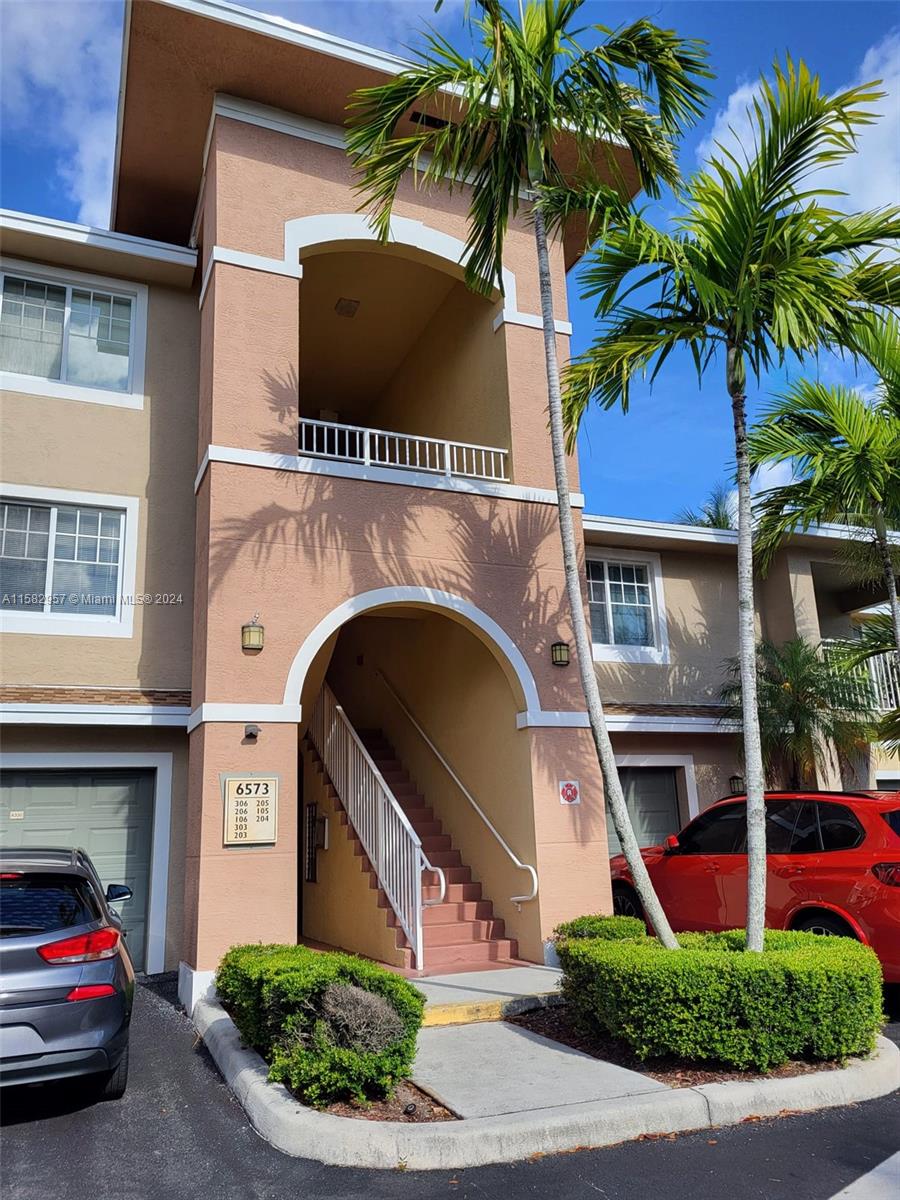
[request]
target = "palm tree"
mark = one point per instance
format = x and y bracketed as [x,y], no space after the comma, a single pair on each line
[716,511]
[758,267]
[807,705]
[845,452]
[496,125]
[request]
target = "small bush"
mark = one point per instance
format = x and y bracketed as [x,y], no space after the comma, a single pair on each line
[806,997]
[331,1026]
[610,929]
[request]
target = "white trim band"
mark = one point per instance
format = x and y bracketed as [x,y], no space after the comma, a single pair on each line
[509,316]
[253,262]
[640,723]
[285,714]
[421,479]
[175,716]
[103,239]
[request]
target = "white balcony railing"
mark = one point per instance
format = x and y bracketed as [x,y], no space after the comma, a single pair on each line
[880,675]
[401,451]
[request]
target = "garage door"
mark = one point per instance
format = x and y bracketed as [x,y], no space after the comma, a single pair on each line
[108,813]
[651,794]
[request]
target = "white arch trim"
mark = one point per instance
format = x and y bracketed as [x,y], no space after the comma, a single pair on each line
[324,228]
[379,598]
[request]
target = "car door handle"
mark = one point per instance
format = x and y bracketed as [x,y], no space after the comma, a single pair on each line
[711,868]
[796,869]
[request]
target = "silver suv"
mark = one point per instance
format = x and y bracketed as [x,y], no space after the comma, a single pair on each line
[66,978]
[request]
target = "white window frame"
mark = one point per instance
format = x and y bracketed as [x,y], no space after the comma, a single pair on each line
[658,654]
[117,625]
[37,385]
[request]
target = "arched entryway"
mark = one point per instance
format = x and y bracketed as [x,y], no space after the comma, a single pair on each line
[432,698]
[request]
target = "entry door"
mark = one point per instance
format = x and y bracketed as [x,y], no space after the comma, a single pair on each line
[652,798]
[107,813]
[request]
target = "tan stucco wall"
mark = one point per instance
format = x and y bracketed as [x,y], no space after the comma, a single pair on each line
[340,909]
[83,739]
[453,382]
[147,453]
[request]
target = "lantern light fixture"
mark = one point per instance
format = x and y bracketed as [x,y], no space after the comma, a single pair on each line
[736,784]
[559,654]
[253,635]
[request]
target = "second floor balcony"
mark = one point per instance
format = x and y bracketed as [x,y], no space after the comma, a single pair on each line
[402,451]
[880,676]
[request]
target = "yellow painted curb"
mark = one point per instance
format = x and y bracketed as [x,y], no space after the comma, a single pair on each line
[486,1010]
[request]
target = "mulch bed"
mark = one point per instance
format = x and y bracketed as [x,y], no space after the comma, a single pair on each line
[558,1024]
[407,1095]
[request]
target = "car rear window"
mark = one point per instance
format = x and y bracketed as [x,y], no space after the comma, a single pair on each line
[893,819]
[38,902]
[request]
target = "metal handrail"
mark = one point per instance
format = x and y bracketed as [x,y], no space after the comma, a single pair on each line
[879,671]
[411,452]
[517,862]
[392,845]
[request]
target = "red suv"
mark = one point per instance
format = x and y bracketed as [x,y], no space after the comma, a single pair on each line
[834,867]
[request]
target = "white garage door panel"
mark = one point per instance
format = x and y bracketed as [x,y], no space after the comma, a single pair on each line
[108,813]
[651,794]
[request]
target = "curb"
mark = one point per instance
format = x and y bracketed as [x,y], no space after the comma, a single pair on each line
[487,1010]
[338,1141]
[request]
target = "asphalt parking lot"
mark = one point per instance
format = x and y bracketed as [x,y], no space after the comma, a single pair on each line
[180,1135]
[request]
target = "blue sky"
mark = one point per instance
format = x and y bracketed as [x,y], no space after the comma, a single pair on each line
[60,74]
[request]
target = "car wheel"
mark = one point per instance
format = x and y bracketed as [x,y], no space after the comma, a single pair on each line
[823,924]
[626,903]
[115,1082]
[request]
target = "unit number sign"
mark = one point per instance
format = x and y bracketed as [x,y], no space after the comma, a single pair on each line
[251,809]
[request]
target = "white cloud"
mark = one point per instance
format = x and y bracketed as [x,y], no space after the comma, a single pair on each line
[870,177]
[59,85]
[731,127]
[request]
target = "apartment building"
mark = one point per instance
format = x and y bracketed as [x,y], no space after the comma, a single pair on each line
[284,640]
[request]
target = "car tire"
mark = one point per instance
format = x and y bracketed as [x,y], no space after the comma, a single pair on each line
[825,924]
[115,1082]
[626,902]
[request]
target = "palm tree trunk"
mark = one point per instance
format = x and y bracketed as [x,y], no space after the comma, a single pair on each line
[583,651]
[890,579]
[753,762]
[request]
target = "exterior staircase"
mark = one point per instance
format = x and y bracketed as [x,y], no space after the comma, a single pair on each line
[462,932]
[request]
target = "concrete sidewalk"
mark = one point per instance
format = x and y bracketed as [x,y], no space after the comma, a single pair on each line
[492,1069]
[462,998]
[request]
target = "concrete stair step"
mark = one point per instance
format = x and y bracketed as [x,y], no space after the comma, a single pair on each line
[426,828]
[471,952]
[445,858]
[456,893]
[474,932]
[451,912]
[435,842]
[451,875]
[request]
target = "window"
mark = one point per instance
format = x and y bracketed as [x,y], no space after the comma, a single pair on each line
[60,558]
[791,827]
[717,831]
[838,827]
[67,562]
[72,335]
[626,607]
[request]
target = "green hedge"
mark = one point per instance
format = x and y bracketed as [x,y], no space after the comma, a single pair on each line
[612,929]
[806,997]
[275,995]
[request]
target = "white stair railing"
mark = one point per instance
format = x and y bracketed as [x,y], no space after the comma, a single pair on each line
[402,451]
[514,858]
[392,845]
[877,679]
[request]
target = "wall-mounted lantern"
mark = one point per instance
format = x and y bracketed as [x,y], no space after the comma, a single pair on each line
[559,654]
[736,785]
[253,635]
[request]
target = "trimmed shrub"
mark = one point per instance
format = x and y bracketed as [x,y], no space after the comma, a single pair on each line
[806,997]
[596,925]
[331,1026]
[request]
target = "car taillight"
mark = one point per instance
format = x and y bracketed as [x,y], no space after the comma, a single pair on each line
[10,875]
[888,873]
[86,947]
[91,991]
